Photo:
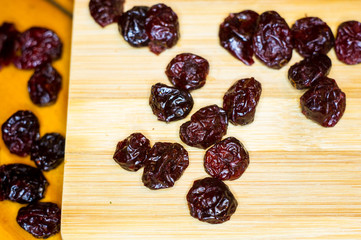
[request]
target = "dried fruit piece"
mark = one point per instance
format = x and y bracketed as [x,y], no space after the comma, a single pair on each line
[207,126]
[105,12]
[348,42]
[20,131]
[241,99]
[8,43]
[272,41]
[41,219]
[165,165]
[236,35]
[227,159]
[211,201]
[132,152]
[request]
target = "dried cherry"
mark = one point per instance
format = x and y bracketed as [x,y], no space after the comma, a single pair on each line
[348,42]
[105,12]
[8,43]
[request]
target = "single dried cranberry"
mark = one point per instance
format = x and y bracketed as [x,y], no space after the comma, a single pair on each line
[206,127]
[165,165]
[21,183]
[211,201]
[306,72]
[169,103]
[20,131]
[105,12]
[41,219]
[132,152]
[236,35]
[44,85]
[272,41]
[312,35]
[8,43]
[348,42]
[162,28]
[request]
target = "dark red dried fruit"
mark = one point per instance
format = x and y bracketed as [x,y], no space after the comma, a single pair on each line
[105,12]
[272,41]
[306,72]
[348,42]
[241,99]
[41,219]
[236,35]
[162,28]
[44,85]
[20,131]
[21,183]
[48,152]
[312,35]
[211,201]
[170,103]
[8,43]
[165,165]
[132,152]
[324,103]
[206,127]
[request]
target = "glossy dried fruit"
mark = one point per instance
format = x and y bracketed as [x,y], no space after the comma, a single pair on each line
[165,165]
[187,71]
[41,219]
[348,42]
[272,41]
[21,183]
[211,201]
[306,72]
[236,35]
[20,131]
[132,152]
[162,28]
[105,12]
[312,35]
[241,99]
[207,126]
[8,43]
[170,103]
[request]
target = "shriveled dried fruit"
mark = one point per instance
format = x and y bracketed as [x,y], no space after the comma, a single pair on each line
[348,42]
[105,12]
[41,219]
[211,201]
[165,165]
[8,43]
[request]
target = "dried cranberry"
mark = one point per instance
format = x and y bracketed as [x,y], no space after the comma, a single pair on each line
[206,127]
[211,201]
[162,28]
[306,72]
[21,183]
[132,152]
[169,103]
[20,131]
[41,219]
[236,35]
[105,12]
[8,43]
[165,165]
[312,35]
[272,41]
[348,42]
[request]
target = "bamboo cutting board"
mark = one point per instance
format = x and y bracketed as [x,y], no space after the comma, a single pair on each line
[303,181]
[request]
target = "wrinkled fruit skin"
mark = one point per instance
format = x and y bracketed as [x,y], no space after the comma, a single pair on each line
[48,152]
[20,131]
[41,219]
[105,12]
[38,46]
[312,35]
[236,35]
[227,159]
[44,85]
[21,183]
[207,126]
[165,165]
[272,41]
[241,99]
[348,42]
[306,72]
[162,28]
[211,201]
[132,152]
[8,43]
[170,103]
[324,103]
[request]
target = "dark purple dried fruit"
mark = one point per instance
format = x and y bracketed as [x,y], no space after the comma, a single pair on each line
[348,42]
[8,43]
[105,12]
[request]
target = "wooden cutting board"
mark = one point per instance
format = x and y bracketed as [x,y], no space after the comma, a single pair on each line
[303,181]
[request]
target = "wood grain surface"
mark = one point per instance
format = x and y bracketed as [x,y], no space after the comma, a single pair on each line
[303,181]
